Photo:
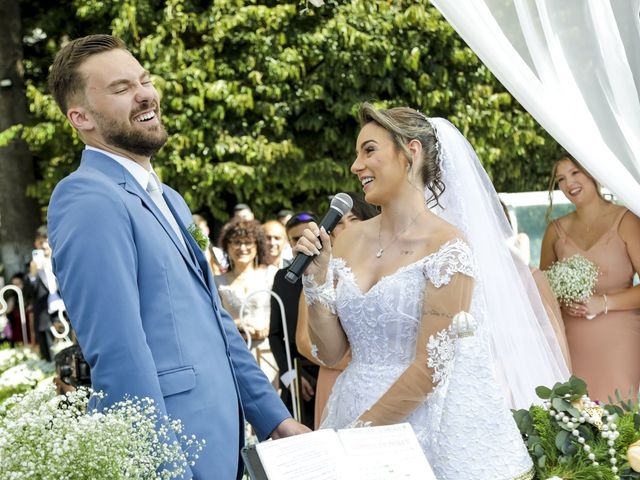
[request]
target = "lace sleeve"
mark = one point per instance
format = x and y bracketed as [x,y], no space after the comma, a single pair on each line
[443,323]
[324,294]
[328,342]
[453,257]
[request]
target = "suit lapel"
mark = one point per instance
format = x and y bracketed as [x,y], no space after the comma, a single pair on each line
[114,170]
[194,249]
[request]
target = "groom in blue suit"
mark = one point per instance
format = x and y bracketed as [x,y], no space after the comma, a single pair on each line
[137,288]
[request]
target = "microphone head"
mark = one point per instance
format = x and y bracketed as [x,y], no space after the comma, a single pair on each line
[342,202]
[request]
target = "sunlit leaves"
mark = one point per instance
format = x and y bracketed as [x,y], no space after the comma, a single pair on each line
[259,97]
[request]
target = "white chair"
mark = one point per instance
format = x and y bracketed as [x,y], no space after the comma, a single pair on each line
[293,386]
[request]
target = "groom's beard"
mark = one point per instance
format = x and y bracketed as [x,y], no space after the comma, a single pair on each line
[143,142]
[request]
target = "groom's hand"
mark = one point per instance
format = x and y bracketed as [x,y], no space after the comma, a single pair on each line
[289,427]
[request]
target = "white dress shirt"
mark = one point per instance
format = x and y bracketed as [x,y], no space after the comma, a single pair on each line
[150,182]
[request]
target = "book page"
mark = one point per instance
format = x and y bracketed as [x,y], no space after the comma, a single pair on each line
[311,456]
[387,452]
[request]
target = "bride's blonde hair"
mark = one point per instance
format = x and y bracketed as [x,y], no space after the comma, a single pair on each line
[405,124]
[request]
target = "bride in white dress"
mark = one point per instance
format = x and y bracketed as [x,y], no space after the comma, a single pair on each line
[396,288]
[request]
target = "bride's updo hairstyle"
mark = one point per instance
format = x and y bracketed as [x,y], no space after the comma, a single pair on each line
[406,124]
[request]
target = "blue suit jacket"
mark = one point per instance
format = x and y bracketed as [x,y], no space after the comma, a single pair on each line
[147,314]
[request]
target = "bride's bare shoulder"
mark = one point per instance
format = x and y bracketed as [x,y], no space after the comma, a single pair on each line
[443,233]
[354,237]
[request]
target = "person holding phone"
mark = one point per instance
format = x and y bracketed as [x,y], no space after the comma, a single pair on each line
[42,287]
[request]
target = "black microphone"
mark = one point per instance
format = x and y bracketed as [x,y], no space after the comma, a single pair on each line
[341,203]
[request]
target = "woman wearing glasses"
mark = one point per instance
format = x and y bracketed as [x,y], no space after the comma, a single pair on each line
[244,244]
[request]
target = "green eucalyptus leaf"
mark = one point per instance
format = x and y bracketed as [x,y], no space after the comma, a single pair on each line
[543,392]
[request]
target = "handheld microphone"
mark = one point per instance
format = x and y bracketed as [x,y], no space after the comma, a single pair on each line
[341,203]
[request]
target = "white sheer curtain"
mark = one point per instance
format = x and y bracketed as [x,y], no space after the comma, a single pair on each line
[575,66]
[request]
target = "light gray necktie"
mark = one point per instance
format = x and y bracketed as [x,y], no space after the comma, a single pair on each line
[155,191]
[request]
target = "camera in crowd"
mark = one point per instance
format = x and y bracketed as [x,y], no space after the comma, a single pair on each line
[71,367]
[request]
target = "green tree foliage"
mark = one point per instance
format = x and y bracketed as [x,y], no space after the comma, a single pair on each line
[259,97]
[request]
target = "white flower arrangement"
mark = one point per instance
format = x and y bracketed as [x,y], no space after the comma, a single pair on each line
[573,279]
[21,370]
[51,437]
[10,357]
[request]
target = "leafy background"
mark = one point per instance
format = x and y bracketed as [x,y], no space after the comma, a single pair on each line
[260,97]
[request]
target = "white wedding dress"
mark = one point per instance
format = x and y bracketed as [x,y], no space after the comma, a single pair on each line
[464,425]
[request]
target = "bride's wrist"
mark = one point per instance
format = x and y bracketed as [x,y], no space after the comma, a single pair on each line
[320,291]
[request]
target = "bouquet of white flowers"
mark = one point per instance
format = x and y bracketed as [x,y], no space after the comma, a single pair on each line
[51,437]
[573,279]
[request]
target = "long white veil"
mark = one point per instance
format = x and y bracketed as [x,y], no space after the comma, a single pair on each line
[523,343]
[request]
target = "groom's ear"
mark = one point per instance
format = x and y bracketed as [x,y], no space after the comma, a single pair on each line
[80,116]
[80,119]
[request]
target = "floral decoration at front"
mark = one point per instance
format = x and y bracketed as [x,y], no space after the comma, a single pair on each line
[49,437]
[21,370]
[573,279]
[571,437]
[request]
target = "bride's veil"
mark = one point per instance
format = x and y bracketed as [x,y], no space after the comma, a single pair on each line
[507,303]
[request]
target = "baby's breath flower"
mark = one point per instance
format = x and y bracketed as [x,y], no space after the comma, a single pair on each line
[54,437]
[573,279]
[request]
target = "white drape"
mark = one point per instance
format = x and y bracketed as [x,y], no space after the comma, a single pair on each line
[575,66]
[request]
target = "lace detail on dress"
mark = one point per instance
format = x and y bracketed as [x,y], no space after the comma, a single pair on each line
[440,350]
[324,294]
[453,257]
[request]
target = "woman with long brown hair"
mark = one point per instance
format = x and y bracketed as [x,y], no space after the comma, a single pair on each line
[604,332]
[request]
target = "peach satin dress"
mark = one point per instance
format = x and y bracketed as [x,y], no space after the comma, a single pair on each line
[605,351]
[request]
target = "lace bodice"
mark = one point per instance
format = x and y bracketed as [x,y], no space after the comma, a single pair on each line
[431,368]
[382,323]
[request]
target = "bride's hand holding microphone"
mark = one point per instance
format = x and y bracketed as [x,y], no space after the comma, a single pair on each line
[313,250]
[315,243]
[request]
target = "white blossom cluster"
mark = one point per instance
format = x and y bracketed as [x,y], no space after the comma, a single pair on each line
[20,371]
[49,437]
[573,279]
[10,357]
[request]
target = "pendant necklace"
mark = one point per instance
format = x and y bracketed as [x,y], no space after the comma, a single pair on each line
[395,237]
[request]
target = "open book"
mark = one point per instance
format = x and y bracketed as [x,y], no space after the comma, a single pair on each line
[372,453]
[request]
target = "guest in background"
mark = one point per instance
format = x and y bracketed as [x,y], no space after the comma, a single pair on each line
[245,246]
[242,212]
[604,349]
[284,215]
[42,288]
[289,293]
[327,376]
[13,312]
[275,236]
[215,259]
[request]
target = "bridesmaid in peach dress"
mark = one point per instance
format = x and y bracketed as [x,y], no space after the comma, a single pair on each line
[605,349]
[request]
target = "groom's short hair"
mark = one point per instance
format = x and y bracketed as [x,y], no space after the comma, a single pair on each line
[65,82]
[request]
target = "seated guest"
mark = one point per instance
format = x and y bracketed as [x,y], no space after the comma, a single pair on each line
[289,294]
